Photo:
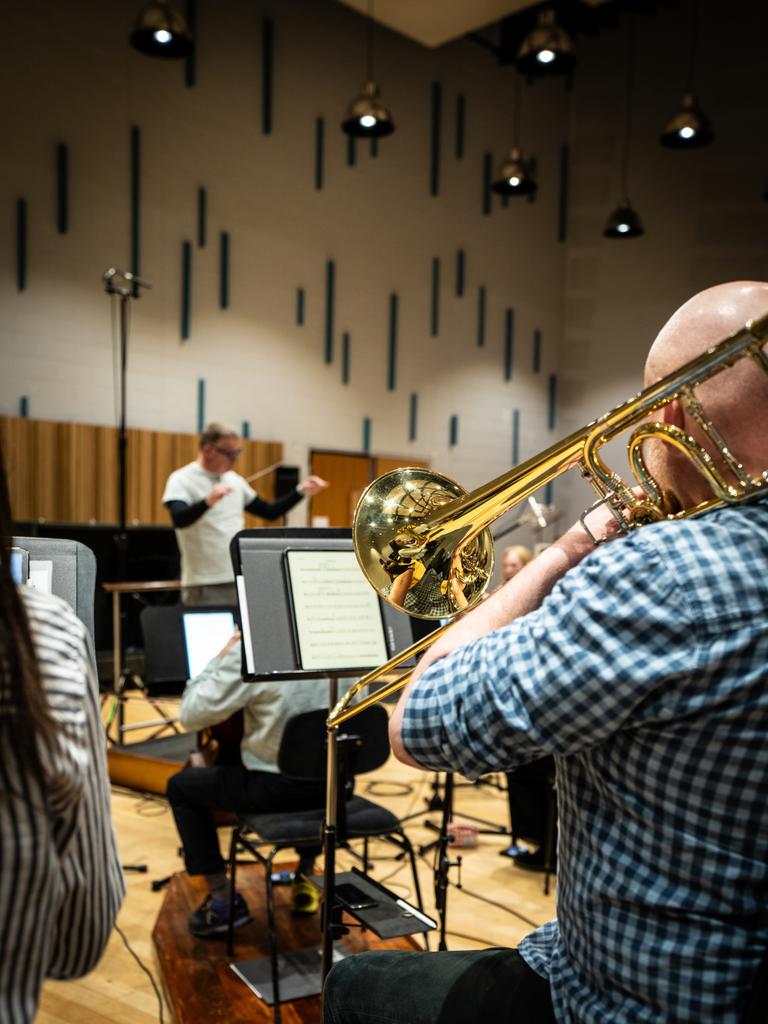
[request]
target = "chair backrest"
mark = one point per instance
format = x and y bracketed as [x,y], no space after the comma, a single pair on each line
[165,659]
[73,573]
[363,744]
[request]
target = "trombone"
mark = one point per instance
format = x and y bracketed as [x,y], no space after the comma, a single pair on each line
[424,544]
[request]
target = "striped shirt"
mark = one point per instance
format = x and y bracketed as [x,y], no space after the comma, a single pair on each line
[61,884]
[645,672]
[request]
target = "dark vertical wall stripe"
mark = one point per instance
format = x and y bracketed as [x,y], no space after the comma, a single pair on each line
[392,351]
[366,433]
[551,419]
[562,211]
[135,196]
[345,358]
[224,270]
[300,306]
[202,204]
[461,110]
[487,177]
[330,296]
[413,424]
[481,316]
[549,493]
[24,406]
[186,287]
[190,66]
[461,268]
[200,405]
[435,317]
[62,188]
[434,139]
[319,154]
[351,150]
[515,436]
[536,350]
[21,244]
[454,430]
[245,431]
[509,343]
[374,146]
[267,74]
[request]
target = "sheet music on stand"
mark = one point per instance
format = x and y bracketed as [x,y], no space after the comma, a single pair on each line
[306,609]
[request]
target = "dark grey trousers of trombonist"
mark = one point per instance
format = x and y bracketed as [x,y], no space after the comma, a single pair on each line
[494,986]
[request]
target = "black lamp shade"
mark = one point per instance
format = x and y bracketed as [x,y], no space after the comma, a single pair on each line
[688,129]
[624,222]
[367,116]
[162,31]
[547,49]
[514,178]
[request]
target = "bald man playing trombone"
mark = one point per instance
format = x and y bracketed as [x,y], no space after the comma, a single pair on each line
[642,666]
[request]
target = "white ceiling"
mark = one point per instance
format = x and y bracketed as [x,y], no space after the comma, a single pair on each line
[434,22]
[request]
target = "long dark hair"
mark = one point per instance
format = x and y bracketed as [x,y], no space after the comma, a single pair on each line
[25,717]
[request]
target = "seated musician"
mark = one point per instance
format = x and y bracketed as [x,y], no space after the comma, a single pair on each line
[253,784]
[641,665]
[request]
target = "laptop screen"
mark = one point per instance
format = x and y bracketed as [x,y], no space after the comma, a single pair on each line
[206,631]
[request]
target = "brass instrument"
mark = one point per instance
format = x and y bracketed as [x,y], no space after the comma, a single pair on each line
[424,545]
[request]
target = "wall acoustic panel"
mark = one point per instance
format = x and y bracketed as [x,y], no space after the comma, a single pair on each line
[224,270]
[21,244]
[62,188]
[23,406]
[515,436]
[481,316]
[200,405]
[453,431]
[245,430]
[330,300]
[300,304]
[267,74]
[413,419]
[392,347]
[434,320]
[190,64]
[202,204]
[345,357]
[461,111]
[536,350]
[435,114]
[366,433]
[509,343]
[135,196]
[186,288]
[552,401]
[461,270]
[319,152]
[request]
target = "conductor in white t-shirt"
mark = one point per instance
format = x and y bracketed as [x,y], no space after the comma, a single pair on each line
[207,501]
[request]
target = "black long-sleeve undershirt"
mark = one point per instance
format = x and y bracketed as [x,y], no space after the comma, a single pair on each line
[184,515]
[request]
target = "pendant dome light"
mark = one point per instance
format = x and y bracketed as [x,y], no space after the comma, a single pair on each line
[624,221]
[368,116]
[162,31]
[547,49]
[690,127]
[514,177]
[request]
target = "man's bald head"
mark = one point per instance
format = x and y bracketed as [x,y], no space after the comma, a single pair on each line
[735,400]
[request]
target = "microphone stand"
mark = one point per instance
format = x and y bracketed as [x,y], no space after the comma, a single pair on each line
[443,863]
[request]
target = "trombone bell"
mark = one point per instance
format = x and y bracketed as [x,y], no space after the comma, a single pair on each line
[427,578]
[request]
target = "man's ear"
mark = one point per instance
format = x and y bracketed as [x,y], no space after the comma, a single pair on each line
[673,414]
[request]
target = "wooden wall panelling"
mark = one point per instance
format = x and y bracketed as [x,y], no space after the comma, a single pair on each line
[15,433]
[44,454]
[388,463]
[140,461]
[348,475]
[105,474]
[162,467]
[259,455]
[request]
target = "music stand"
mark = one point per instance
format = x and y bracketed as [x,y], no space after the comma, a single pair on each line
[279,572]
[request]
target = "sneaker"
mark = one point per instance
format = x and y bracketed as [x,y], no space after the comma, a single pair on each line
[212,918]
[305,898]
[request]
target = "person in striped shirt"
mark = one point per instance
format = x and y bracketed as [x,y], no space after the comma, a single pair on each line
[61,884]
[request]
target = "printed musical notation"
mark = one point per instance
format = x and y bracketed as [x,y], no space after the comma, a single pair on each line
[337,614]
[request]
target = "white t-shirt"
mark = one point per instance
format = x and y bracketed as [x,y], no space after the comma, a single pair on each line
[204,545]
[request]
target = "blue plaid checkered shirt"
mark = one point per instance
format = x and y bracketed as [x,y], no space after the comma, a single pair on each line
[645,672]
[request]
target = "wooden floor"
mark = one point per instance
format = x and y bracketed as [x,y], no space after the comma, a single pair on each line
[497,905]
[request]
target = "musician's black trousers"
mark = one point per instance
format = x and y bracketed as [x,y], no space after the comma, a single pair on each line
[196,792]
[489,986]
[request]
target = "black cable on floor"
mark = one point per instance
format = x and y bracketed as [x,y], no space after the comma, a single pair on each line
[146,970]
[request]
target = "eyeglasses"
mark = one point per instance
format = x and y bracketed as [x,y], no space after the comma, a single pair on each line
[230,453]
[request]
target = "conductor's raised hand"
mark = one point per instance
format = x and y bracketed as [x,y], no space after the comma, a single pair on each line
[216,493]
[312,485]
